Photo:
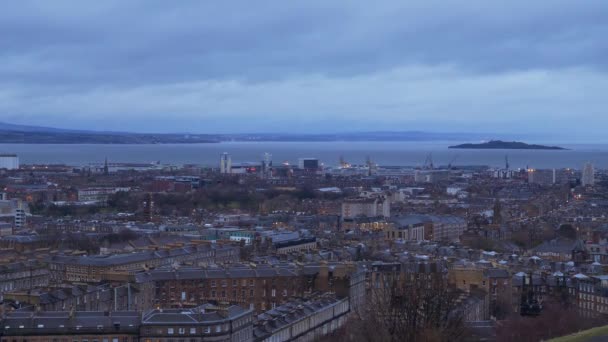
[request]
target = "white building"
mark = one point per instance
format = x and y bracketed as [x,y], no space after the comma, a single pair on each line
[588,178]
[431,176]
[379,206]
[9,161]
[14,211]
[100,195]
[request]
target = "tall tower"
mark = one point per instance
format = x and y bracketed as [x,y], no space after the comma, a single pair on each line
[106,169]
[225,163]
[588,178]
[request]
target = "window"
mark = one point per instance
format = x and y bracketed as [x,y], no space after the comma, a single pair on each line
[274,293]
[213,283]
[218,328]
[183,295]
[234,282]
[182,331]
[192,331]
[207,330]
[170,331]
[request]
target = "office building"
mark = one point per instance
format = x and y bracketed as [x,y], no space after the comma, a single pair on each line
[309,164]
[588,177]
[9,161]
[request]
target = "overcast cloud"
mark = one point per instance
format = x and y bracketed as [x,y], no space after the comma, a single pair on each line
[316,66]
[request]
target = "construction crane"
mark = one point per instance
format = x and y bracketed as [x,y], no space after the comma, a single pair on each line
[428,162]
[452,161]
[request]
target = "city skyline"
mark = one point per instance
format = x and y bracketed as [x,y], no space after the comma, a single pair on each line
[322,67]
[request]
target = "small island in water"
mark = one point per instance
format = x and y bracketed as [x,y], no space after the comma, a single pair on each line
[506,145]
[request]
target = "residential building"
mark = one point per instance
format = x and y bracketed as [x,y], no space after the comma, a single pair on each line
[302,320]
[9,161]
[588,176]
[541,176]
[70,325]
[203,323]
[95,268]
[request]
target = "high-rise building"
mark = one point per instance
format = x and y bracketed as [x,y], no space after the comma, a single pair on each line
[225,163]
[588,178]
[9,161]
[266,165]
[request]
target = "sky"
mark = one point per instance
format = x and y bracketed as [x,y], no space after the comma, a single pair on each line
[526,67]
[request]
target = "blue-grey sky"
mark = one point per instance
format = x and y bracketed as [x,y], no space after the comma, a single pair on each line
[316,66]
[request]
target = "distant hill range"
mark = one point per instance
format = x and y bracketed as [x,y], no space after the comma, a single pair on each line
[18,134]
[506,145]
[21,134]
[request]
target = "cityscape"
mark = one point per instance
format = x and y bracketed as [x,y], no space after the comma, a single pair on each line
[303,171]
[273,251]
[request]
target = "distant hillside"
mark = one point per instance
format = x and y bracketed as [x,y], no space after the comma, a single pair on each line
[506,145]
[25,128]
[10,133]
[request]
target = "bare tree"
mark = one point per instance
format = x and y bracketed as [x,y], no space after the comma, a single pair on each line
[413,309]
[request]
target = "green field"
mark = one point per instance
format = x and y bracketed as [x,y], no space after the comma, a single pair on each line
[584,335]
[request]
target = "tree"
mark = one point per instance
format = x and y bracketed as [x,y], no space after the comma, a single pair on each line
[416,308]
[567,231]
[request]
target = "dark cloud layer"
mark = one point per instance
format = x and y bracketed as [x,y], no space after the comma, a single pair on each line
[268,64]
